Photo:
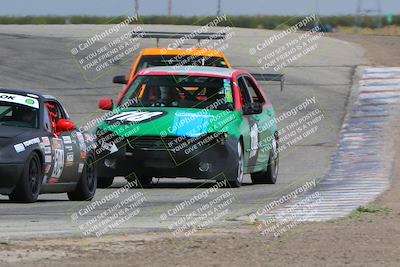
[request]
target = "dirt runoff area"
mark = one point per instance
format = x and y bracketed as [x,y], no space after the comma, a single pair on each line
[369,237]
[380,50]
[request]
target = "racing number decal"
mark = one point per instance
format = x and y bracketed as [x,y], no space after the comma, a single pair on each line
[58,163]
[253,140]
[57,160]
[136,116]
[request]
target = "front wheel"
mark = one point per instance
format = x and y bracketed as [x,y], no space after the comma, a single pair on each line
[236,177]
[87,184]
[271,174]
[28,187]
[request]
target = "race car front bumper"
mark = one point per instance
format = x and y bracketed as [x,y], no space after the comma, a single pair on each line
[9,176]
[167,158]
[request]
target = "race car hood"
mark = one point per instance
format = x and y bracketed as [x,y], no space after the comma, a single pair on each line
[11,135]
[11,139]
[11,132]
[158,121]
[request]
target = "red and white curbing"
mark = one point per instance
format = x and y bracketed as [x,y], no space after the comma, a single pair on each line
[361,167]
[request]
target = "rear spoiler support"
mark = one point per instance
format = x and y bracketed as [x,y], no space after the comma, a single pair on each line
[270,77]
[178,35]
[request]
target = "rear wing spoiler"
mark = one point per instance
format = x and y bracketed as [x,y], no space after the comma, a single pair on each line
[270,77]
[178,35]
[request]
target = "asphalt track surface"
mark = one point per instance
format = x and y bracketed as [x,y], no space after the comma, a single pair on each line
[39,57]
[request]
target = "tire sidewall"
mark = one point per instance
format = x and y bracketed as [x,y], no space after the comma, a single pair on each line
[23,191]
[273,171]
[236,176]
[83,183]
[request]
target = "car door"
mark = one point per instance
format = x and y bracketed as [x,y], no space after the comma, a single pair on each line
[251,136]
[65,157]
[265,121]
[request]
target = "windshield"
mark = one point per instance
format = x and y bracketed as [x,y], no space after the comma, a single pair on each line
[180,91]
[178,60]
[17,115]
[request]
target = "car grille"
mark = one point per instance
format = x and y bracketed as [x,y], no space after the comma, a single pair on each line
[166,143]
[149,142]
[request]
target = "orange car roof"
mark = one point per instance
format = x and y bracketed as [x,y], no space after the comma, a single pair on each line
[183,52]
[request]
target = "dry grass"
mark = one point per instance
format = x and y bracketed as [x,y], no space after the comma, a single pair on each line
[387,30]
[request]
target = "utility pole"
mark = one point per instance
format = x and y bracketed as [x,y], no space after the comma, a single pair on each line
[379,15]
[170,8]
[361,12]
[219,8]
[136,7]
[316,23]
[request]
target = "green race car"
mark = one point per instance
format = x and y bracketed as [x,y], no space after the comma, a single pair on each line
[195,122]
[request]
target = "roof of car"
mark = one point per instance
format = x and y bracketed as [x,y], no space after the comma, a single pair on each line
[189,70]
[183,52]
[20,92]
[31,93]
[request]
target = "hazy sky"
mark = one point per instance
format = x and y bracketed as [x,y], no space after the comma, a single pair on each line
[190,7]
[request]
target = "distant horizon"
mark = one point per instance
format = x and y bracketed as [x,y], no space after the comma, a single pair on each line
[188,8]
[205,15]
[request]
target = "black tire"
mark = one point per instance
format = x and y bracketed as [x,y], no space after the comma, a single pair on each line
[269,176]
[235,178]
[28,187]
[143,181]
[104,182]
[86,188]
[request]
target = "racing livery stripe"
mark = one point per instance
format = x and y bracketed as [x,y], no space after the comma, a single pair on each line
[136,116]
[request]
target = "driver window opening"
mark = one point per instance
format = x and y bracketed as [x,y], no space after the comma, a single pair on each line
[54,114]
[244,96]
[255,95]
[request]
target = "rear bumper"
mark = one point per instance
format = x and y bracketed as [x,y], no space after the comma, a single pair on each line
[213,161]
[9,176]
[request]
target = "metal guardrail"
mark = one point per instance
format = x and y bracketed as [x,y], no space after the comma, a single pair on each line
[270,77]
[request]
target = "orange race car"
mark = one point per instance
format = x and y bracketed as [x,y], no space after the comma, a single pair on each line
[156,57]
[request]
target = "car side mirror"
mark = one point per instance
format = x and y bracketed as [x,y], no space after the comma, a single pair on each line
[252,109]
[106,104]
[65,126]
[120,80]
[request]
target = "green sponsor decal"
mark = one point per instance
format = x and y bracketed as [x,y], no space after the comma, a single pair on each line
[29,102]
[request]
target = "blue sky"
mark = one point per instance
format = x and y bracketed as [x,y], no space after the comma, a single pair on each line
[190,7]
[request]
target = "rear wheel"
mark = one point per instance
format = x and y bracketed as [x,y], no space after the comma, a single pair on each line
[271,174]
[87,184]
[104,182]
[28,187]
[236,177]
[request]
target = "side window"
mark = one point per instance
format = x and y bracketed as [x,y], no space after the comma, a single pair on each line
[46,120]
[253,91]
[245,98]
[55,113]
